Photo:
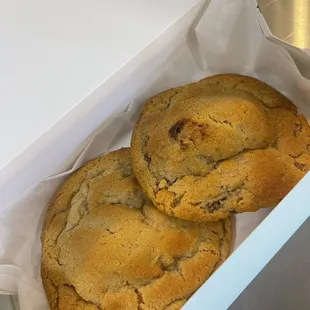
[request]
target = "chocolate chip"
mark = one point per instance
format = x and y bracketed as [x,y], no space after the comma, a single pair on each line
[183,145]
[300,166]
[239,199]
[216,205]
[147,158]
[297,129]
[177,128]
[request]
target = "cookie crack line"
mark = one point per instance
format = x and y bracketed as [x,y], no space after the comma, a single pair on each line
[54,239]
[176,264]
[215,163]
[219,162]
[177,300]
[81,298]
[56,288]
[171,98]
[86,211]
[140,299]
[215,203]
[217,121]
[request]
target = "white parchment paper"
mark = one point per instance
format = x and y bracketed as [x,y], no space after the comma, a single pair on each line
[226,38]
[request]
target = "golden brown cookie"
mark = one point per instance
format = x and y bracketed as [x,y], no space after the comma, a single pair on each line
[226,144]
[106,247]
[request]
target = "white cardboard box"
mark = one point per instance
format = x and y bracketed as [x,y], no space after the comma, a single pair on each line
[284,283]
[71,134]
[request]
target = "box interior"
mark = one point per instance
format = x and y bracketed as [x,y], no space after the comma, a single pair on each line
[158,67]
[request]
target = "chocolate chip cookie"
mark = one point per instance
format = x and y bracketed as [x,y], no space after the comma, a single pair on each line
[106,247]
[226,144]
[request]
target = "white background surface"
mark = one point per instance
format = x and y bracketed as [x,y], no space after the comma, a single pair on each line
[54,53]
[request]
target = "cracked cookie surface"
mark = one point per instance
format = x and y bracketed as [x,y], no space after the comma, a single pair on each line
[106,247]
[227,144]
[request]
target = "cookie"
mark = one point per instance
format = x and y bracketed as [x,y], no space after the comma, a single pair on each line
[106,247]
[227,144]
